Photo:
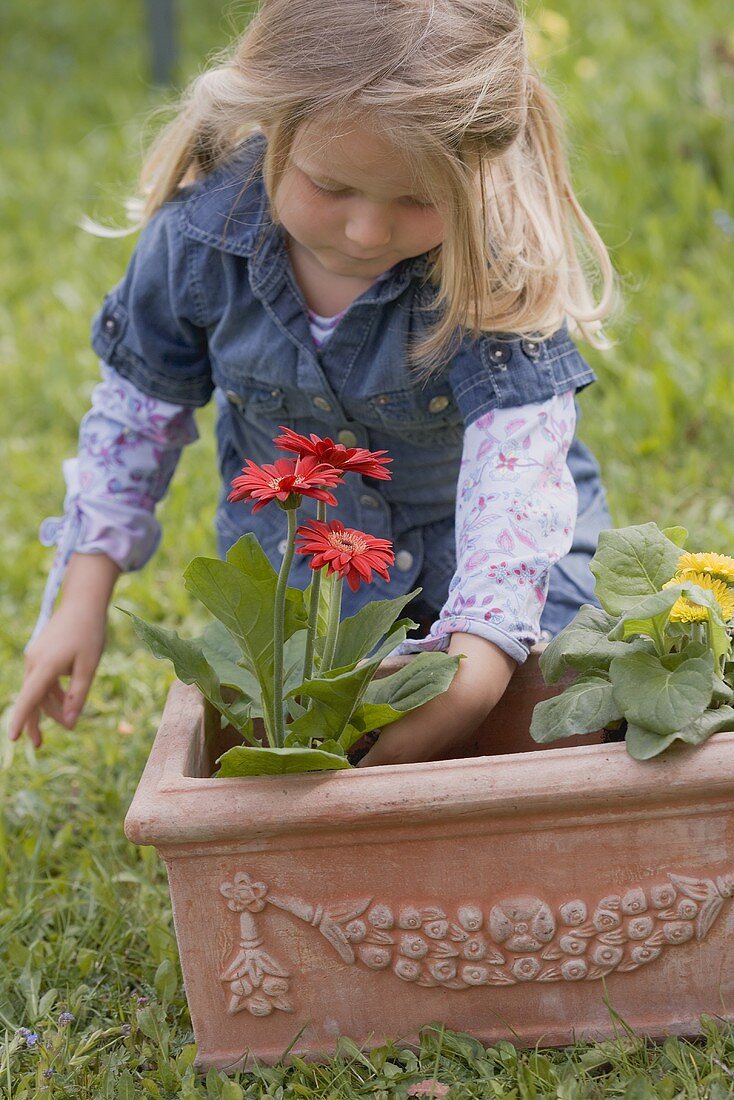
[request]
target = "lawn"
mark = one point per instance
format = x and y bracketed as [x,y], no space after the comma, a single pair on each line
[88,961]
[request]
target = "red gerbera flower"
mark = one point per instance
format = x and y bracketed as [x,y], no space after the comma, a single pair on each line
[357,460]
[284,480]
[351,554]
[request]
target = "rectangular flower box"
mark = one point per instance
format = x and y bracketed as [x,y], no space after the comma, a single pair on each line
[501,894]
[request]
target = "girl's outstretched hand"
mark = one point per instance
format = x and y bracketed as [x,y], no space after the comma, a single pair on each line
[448,719]
[70,645]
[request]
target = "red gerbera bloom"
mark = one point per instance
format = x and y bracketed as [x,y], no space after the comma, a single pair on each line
[285,478]
[357,460]
[351,554]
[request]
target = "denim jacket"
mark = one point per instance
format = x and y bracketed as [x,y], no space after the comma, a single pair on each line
[209,304]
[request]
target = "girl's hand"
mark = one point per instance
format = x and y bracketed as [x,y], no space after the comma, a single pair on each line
[70,645]
[451,717]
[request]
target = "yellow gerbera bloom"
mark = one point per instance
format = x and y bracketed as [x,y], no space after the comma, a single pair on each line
[684,611]
[716,565]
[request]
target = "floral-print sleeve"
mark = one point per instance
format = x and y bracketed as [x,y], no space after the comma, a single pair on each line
[129,445]
[516,506]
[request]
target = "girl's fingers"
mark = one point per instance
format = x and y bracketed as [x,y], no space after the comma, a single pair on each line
[34,730]
[31,694]
[82,675]
[53,703]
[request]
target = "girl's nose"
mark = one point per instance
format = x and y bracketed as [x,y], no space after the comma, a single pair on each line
[368,227]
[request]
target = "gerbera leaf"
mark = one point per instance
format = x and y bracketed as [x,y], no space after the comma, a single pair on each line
[585,706]
[192,667]
[662,694]
[632,562]
[360,632]
[243,760]
[581,645]
[389,698]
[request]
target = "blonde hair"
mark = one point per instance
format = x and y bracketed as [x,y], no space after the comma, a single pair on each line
[450,82]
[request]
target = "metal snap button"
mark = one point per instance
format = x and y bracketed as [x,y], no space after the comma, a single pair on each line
[531,348]
[110,325]
[322,403]
[347,438]
[234,398]
[369,501]
[438,404]
[383,399]
[282,546]
[500,354]
[404,560]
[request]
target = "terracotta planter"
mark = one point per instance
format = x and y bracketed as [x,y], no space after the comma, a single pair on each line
[492,894]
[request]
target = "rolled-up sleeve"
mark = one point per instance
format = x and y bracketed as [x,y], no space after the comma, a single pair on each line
[129,446]
[516,506]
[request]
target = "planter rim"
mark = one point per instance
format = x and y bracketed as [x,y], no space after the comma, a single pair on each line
[171,807]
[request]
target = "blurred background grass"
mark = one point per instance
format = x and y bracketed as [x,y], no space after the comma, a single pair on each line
[648,89]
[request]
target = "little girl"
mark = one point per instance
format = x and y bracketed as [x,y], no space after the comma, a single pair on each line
[361,225]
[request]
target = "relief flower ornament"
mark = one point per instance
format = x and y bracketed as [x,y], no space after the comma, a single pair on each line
[657,656]
[274,652]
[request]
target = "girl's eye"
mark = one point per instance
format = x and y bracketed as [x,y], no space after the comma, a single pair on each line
[423,204]
[334,192]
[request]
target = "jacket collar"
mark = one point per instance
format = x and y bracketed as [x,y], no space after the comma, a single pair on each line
[229,210]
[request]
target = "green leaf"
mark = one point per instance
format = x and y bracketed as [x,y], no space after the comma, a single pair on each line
[240,592]
[389,698]
[718,636]
[223,654]
[360,632]
[192,667]
[631,562]
[719,720]
[582,645]
[165,981]
[585,706]
[243,760]
[722,692]
[336,695]
[643,744]
[678,535]
[649,616]
[662,694]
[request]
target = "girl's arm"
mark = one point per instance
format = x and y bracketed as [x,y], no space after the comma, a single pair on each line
[71,645]
[439,725]
[515,515]
[129,444]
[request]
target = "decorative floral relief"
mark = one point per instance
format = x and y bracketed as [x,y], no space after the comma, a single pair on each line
[517,939]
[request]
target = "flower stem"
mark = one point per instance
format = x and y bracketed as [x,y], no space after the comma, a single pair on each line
[279,631]
[333,627]
[313,608]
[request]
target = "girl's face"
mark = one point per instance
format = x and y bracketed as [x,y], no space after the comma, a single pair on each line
[350,200]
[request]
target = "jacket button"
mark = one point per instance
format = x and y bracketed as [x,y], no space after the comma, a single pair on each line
[282,546]
[404,560]
[234,398]
[347,438]
[368,501]
[110,325]
[383,399]
[322,403]
[531,348]
[438,404]
[500,354]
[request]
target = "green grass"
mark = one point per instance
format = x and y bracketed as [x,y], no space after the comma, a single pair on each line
[84,917]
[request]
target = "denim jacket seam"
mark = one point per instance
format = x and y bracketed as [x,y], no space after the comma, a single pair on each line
[197,288]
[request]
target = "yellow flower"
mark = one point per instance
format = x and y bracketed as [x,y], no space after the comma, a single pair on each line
[685,611]
[717,565]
